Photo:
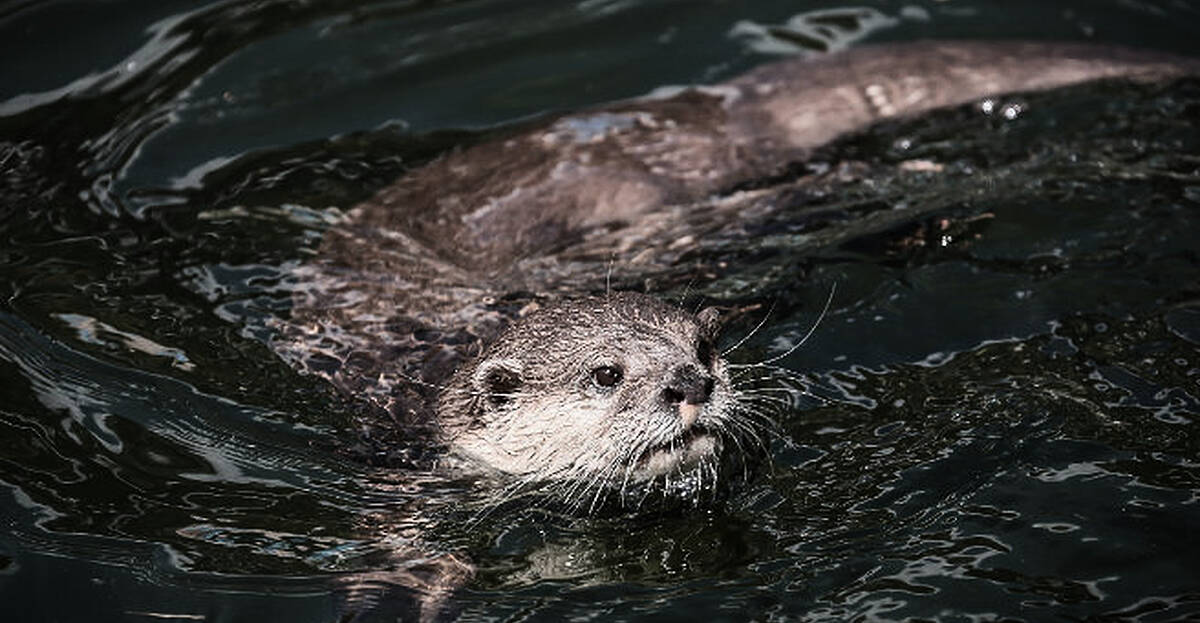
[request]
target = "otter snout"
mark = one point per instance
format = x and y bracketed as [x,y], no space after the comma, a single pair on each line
[688,385]
[687,389]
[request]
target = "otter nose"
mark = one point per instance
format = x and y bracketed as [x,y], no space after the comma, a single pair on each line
[688,385]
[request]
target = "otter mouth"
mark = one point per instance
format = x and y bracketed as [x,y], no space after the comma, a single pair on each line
[685,450]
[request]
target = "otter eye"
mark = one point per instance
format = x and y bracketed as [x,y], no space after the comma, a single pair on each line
[606,376]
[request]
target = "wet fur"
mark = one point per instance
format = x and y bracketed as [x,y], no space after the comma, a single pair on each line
[422,276]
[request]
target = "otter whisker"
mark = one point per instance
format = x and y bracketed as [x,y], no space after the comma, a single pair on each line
[741,372]
[736,439]
[572,487]
[774,393]
[601,491]
[579,481]
[766,377]
[758,421]
[767,404]
[687,288]
[753,429]
[765,371]
[765,383]
[743,429]
[494,501]
[630,464]
[766,380]
[779,399]
[765,396]
[752,332]
[593,485]
[787,394]
[577,490]
[789,385]
[529,482]
[811,330]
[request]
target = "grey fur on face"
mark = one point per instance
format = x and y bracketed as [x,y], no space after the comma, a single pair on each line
[602,392]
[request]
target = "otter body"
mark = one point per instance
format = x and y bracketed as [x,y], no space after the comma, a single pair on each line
[490,206]
[620,388]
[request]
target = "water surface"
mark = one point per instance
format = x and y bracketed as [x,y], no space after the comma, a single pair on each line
[1003,425]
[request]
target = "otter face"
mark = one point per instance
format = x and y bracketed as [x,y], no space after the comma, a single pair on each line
[598,394]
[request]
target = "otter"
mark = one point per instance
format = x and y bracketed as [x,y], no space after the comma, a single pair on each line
[428,284]
[468,303]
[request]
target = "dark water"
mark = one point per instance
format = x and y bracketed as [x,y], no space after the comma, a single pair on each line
[1009,371]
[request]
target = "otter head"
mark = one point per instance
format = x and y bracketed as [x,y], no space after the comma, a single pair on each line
[597,393]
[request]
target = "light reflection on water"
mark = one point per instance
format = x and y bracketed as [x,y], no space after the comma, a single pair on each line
[1005,411]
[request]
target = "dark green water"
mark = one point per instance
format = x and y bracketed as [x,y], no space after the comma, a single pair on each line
[1010,368]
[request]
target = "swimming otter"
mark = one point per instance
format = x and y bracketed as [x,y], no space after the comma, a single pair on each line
[612,393]
[424,273]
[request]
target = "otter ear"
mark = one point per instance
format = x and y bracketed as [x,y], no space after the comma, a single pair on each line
[497,380]
[710,322]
